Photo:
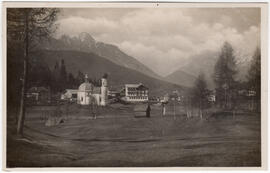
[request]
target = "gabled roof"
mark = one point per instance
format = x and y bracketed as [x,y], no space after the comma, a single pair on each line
[37,90]
[140,85]
[72,90]
[132,85]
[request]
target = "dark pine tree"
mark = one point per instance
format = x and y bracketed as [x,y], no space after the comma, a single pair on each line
[254,77]
[63,76]
[72,81]
[56,78]
[39,74]
[200,94]
[224,72]
[79,78]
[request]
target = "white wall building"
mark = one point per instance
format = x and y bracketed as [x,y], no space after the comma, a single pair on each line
[70,94]
[84,92]
[136,93]
[104,92]
[87,93]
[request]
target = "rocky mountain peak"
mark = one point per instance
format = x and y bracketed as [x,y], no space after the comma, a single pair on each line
[84,42]
[87,38]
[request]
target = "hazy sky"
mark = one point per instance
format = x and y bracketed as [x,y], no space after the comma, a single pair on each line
[163,38]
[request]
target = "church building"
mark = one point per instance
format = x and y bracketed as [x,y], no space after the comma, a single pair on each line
[88,93]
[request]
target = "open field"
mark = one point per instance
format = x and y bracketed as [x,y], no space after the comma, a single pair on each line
[117,138]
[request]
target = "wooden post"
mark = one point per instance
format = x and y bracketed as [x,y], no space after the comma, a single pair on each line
[174,109]
[200,109]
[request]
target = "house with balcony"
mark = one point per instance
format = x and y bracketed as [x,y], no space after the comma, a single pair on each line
[136,93]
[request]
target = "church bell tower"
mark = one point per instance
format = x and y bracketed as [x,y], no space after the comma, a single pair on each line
[104,91]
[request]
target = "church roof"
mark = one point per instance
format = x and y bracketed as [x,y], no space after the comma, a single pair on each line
[86,86]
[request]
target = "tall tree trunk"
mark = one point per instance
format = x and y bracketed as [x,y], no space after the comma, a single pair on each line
[201,109]
[24,78]
[258,104]
[258,97]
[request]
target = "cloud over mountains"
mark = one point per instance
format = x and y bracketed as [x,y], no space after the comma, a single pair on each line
[163,39]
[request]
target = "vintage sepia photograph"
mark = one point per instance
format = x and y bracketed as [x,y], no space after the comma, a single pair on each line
[134,85]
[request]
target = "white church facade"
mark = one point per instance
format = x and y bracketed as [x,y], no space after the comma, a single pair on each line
[88,94]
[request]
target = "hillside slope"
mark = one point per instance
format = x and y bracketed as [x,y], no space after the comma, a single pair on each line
[205,63]
[181,78]
[95,66]
[194,65]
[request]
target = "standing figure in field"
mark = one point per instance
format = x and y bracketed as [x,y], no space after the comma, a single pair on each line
[148,110]
[163,109]
[93,107]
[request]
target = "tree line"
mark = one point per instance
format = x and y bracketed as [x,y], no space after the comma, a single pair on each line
[226,86]
[58,79]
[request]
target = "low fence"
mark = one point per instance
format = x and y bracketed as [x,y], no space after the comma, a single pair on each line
[59,113]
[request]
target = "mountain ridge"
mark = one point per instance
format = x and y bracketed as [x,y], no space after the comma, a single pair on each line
[86,43]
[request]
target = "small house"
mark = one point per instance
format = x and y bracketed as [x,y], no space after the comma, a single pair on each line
[70,94]
[38,94]
[112,93]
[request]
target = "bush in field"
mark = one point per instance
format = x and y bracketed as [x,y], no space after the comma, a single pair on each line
[55,117]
